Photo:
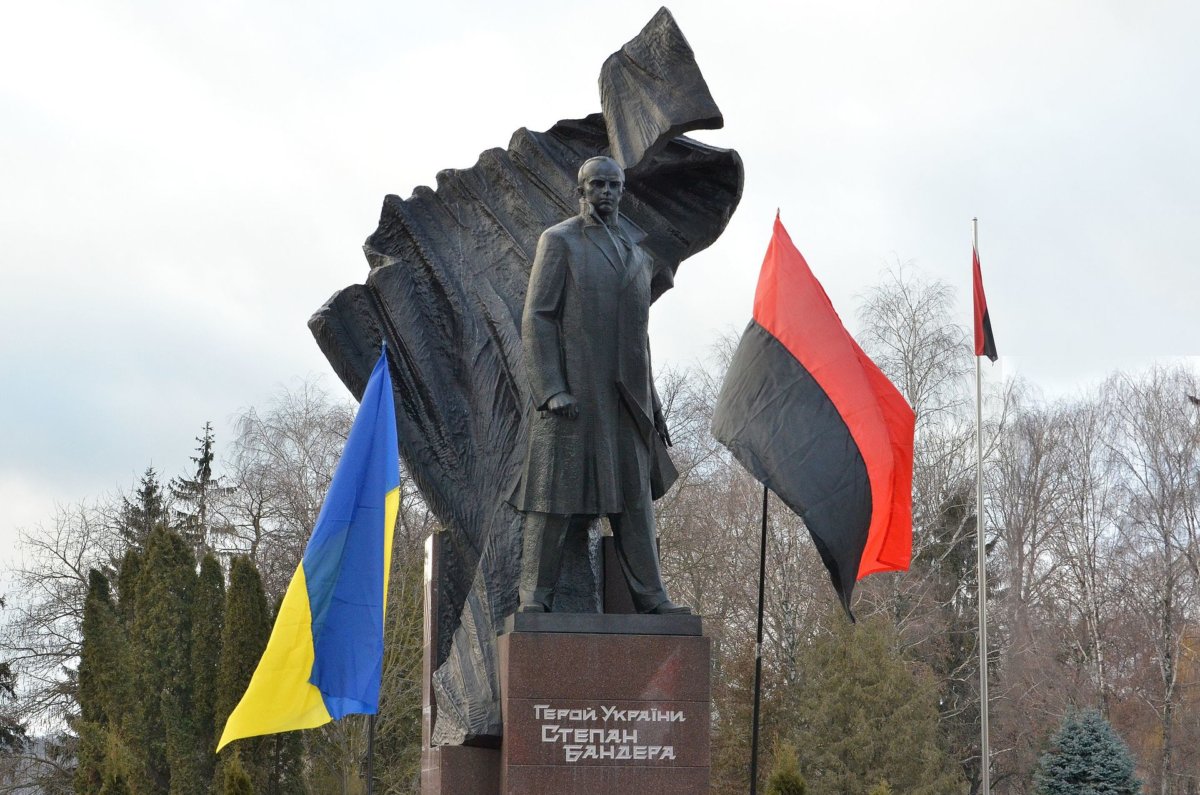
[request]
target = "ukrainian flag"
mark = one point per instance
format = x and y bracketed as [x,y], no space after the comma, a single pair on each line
[325,656]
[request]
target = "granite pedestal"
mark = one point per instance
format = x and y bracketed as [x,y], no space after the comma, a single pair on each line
[593,703]
[602,703]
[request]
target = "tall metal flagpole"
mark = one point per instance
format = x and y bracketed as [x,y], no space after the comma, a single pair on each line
[370,754]
[762,578]
[985,756]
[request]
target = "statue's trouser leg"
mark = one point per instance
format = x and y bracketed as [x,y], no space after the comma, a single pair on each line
[541,556]
[633,534]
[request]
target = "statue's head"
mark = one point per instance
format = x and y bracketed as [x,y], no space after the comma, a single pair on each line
[601,183]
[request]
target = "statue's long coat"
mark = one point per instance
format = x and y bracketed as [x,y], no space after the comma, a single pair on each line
[584,330]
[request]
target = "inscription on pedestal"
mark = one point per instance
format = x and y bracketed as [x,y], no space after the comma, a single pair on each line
[603,713]
[607,733]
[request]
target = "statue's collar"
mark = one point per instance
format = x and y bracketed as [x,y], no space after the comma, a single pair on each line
[623,225]
[592,218]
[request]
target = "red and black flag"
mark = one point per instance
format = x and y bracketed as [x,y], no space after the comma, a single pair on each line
[812,417]
[985,343]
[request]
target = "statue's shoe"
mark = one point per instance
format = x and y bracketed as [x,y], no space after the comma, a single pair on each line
[532,607]
[668,608]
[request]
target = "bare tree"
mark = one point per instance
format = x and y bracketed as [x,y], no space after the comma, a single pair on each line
[279,468]
[1157,451]
[42,634]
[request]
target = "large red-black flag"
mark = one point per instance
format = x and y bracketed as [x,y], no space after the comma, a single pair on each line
[985,343]
[813,418]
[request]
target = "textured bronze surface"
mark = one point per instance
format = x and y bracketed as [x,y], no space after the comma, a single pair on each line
[446,287]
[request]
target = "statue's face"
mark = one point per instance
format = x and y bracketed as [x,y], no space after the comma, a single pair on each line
[602,184]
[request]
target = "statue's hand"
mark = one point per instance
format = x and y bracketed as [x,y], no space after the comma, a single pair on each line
[660,425]
[563,405]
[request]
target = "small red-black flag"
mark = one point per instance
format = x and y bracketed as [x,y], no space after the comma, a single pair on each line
[816,421]
[985,343]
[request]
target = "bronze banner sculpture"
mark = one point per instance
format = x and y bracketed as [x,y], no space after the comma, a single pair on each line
[446,289]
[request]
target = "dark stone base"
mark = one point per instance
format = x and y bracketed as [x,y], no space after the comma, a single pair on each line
[587,710]
[604,624]
[461,770]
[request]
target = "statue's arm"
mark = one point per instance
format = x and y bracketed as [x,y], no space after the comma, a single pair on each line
[541,327]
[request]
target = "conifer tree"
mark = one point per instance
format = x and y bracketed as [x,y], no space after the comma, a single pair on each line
[117,765]
[862,715]
[1087,758]
[208,620]
[145,513]
[284,753]
[114,784]
[243,639]
[12,731]
[102,679]
[127,577]
[785,778]
[163,733]
[234,778]
[197,493]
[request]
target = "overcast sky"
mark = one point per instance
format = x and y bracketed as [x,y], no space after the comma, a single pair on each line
[183,184]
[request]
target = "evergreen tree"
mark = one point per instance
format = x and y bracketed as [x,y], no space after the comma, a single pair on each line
[101,682]
[882,788]
[785,778]
[100,672]
[208,620]
[1087,758]
[197,494]
[285,753]
[117,764]
[12,731]
[948,562]
[243,639]
[163,732]
[114,784]
[145,513]
[862,715]
[234,778]
[127,578]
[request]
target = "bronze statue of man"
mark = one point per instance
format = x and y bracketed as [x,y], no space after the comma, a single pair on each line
[597,442]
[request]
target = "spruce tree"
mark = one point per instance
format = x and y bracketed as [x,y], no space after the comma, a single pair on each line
[243,639]
[1087,758]
[208,621]
[144,513]
[163,732]
[863,715]
[196,494]
[12,731]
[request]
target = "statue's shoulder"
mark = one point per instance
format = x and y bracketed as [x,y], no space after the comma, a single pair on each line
[569,228]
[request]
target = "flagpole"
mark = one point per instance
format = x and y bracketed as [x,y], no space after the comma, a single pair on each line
[985,756]
[762,578]
[370,754]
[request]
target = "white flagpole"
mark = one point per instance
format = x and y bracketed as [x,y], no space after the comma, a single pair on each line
[984,750]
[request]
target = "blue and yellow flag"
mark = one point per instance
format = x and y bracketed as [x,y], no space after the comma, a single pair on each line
[325,656]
